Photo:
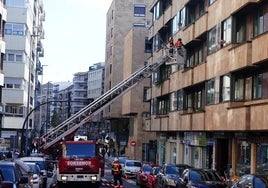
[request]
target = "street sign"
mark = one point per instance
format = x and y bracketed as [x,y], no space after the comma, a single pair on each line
[133,143]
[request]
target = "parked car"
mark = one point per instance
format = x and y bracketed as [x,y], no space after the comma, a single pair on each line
[131,168]
[169,174]
[3,183]
[152,177]
[143,174]
[252,181]
[37,175]
[16,172]
[41,162]
[122,160]
[205,178]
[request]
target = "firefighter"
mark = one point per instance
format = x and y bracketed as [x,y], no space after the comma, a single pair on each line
[117,173]
[171,46]
[179,46]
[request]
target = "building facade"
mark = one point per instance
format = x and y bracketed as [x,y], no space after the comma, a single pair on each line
[210,111]
[123,16]
[23,34]
[3,16]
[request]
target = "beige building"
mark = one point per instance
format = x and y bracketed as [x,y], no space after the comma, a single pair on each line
[211,111]
[122,17]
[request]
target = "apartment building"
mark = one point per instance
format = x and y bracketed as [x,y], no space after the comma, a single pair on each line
[122,17]
[211,111]
[3,18]
[23,35]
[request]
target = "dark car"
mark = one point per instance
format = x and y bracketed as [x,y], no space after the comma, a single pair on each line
[143,174]
[152,177]
[169,175]
[205,178]
[3,183]
[252,181]
[16,172]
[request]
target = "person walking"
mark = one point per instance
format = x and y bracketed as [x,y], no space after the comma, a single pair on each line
[117,173]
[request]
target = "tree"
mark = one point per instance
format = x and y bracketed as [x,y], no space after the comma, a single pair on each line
[55,120]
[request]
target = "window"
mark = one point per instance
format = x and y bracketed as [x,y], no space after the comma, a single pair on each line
[211,91]
[148,45]
[239,89]
[14,110]
[180,100]
[15,3]
[14,56]
[211,1]
[156,11]
[15,29]
[173,101]
[260,22]
[182,18]
[138,24]
[163,105]
[227,32]
[212,40]
[139,10]
[175,23]
[161,74]
[225,88]
[257,86]
[240,28]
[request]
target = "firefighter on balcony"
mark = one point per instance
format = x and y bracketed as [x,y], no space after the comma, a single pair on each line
[117,173]
[179,45]
[171,46]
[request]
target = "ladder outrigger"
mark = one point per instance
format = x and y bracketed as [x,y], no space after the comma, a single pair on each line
[70,125]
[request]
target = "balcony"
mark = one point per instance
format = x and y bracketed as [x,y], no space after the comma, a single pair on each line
[201,25]
[259,48]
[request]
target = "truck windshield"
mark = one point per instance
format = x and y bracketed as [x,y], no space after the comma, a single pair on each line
[80,150]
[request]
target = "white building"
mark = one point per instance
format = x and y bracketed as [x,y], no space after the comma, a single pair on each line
[23,34]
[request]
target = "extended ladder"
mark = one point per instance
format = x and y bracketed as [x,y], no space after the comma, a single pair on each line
[71,124]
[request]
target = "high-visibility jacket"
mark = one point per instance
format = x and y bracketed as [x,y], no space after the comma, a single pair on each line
[116,168]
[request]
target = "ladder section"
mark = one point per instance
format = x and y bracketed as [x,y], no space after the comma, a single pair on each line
[71,124]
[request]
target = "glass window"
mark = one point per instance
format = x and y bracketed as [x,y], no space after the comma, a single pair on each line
[260,22]
[180,100]
[211,1]
[211,92]
[240,35]
[257,86]
[173,101]
[212,42]
[139,10]
[163,105]
[11,57]
[227,32]
[239,89]
[225,88]
[182,18]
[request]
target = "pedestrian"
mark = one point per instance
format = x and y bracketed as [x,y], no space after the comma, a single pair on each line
[117,173]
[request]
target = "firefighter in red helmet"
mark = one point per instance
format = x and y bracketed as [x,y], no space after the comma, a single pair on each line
[117,173]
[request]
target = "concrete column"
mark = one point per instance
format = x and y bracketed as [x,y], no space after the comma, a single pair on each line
[253,158]
[234,155]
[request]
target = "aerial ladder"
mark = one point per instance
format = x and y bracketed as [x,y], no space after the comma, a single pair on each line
[70,125]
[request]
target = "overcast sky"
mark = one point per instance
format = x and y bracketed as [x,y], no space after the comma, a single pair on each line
[74,37]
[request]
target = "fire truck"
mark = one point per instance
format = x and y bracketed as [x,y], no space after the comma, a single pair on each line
[80,162]
[72,166]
